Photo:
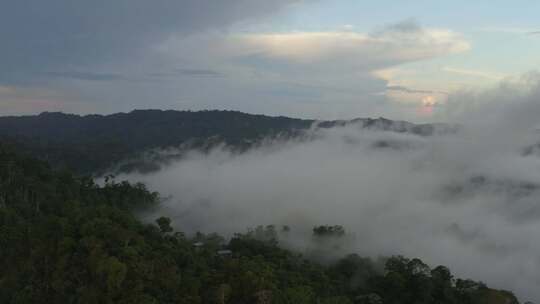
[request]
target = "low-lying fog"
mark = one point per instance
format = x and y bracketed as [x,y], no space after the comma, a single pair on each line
[468,200]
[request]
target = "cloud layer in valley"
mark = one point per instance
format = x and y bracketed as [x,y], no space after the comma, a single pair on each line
[468,200]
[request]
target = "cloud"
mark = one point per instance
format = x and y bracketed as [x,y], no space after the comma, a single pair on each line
[59,34]
[413,91]
[137,54]
[198,72]
[87,76]
[394,45]
[270,71]
[185,72]
[409,195]
[511,105]
[475,73]
[339,50]
[405,26]
[132,77]
[510,30]
[467,200]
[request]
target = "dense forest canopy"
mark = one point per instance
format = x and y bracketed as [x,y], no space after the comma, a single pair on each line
[65,239]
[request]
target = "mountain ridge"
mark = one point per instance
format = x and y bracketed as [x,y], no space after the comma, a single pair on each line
[94,142]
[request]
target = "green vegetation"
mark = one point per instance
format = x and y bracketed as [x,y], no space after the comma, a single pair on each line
[92,143]
[64,239]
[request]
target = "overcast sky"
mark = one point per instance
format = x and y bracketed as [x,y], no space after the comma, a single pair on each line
[312,58]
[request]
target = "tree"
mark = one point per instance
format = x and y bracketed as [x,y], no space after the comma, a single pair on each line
[83,244]
[164,224]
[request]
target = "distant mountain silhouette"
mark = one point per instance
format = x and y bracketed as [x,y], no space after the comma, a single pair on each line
[92,143]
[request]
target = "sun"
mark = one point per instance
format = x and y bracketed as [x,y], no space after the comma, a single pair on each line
[428,103]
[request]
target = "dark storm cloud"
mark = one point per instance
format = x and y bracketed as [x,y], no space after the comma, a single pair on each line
[39,36]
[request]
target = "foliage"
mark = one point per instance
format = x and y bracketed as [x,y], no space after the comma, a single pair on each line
[64,239]
[91,143]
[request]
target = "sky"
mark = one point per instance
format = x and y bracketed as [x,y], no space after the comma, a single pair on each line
[320,59]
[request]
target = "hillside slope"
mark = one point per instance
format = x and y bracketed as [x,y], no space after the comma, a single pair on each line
[67,240]
[91,143]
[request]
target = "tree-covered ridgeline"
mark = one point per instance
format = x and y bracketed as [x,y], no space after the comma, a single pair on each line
[93,144]
[65,239]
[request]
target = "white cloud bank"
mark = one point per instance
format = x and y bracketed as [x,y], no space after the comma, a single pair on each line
[467,200]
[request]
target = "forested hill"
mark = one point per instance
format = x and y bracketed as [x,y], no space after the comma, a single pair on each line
[90,143]
[64,239]
[93,142]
